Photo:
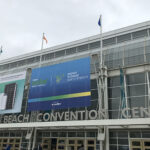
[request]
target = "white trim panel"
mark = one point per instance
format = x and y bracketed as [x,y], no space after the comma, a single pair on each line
[84,123]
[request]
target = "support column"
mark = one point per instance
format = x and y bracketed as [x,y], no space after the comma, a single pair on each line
[103,103]
[126,96]
[101,137]
[34,138]
[29,137]
[147,79]
[85,141]
[107,138]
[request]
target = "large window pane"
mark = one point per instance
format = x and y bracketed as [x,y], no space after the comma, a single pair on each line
[109,41]
[94,45]
[117,63]
[72,134]
[139,34]
[148,57]
[60,53]
[135,134]
[94,94]
[113,147]
[114,104]
[123,38]
[138,101]
[114,81]
[146,134]
[82,48]
[94,104]
[62,134]
[113,92]
[137,90]
[80,134]
[71,51]
[109,64]
[135,78]
[123,147]
[123,134]
[112,141]
[93,84]
[123,141]
[113,115]
[48,56]
[134,60]
[113,134]
[91,134]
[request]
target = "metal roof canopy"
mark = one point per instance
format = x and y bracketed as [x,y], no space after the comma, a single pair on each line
[83,123]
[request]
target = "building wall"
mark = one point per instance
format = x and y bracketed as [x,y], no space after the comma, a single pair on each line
[122,51]
[127,49]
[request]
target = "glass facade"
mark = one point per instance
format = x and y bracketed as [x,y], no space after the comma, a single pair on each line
[137,93]
[121,139]
[128,54]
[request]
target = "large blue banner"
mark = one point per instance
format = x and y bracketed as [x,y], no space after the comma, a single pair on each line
[64,85]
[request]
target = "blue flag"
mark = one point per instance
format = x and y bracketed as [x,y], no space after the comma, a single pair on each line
[99,22]
[1,50]
[123,101]
[122,91]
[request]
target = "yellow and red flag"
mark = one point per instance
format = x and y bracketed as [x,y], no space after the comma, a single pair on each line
[44,38]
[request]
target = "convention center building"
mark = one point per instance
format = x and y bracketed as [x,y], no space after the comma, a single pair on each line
[89,94]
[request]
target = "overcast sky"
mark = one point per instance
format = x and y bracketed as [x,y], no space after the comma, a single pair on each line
[22,22]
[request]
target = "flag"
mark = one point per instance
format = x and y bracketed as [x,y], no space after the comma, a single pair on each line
[44,38]
[1,50]
[99,22]
[122,91]
[123,100]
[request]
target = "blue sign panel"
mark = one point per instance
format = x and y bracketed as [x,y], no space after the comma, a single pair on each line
[64,85]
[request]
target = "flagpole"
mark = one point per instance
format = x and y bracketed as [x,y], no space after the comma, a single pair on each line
[101,53]
[41,50]
[101,130]
[100,66]
[42,41]
[35,130]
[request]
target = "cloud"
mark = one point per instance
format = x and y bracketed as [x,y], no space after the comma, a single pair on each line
[24,21]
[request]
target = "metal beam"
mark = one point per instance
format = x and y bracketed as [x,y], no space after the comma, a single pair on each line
[83,123]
